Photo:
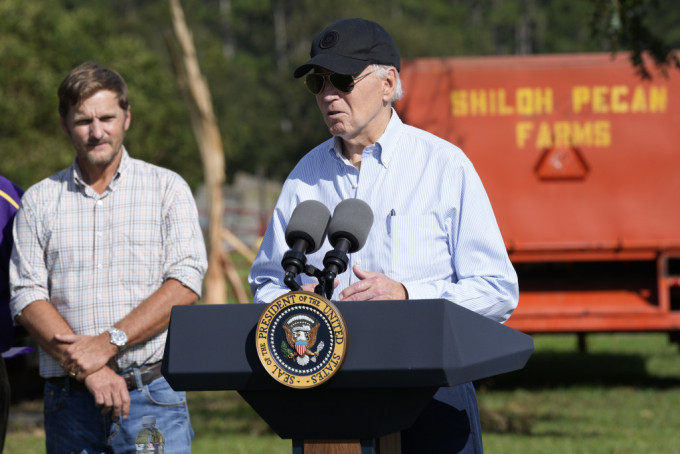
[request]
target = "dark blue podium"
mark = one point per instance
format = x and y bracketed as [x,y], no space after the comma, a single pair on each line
[399,353]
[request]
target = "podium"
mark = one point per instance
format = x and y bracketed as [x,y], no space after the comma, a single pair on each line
[398,354]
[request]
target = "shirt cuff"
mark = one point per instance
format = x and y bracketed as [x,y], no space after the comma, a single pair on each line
[23,300]
[191,279]
[420,291]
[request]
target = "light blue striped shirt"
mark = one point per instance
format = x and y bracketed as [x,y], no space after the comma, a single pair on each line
[441,242]
[95,257]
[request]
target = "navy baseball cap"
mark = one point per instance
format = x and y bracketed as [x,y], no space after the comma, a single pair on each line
[350,45]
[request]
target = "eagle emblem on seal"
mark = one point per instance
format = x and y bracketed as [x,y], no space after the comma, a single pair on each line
[301,331]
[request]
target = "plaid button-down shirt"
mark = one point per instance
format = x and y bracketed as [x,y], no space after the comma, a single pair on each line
[96,257]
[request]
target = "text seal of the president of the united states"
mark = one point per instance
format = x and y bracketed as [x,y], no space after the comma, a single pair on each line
[301,339]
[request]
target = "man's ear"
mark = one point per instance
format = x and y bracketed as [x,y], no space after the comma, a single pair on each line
[126,124]
[389,85]
[64,126]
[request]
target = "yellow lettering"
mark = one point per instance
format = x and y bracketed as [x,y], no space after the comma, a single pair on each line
[544,137]
[459,104]
[524,101]
[580,96]
[543,101]
[503,108]
[532,101]
[581,134]
[527,101]
[561,130]
[478,102]
[639,102]
[522,131]
[603,135]
[600,99]
[658,99]
[618,105]
[563,134]
[492,101]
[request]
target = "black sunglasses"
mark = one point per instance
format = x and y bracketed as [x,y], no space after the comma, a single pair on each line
[343,82]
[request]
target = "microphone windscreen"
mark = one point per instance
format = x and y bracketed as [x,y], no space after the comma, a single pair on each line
[308,222]
[352,219]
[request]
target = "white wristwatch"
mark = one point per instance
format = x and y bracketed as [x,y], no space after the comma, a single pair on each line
[118,338]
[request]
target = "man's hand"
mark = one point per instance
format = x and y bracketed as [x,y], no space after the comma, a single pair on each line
[110,392]
[373,286]
[85,355]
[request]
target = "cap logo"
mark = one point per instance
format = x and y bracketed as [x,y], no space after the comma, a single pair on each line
[329,39]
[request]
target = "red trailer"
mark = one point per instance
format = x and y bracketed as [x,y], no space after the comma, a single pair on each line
[581,160]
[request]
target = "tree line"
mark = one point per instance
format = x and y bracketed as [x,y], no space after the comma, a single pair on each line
[248,49]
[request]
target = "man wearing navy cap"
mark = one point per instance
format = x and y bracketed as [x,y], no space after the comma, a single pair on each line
[434,234]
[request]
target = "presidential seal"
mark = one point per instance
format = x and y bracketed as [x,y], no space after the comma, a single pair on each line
[301,339]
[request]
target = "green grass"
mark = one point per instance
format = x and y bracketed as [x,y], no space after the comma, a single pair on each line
[623,396]
[223,422]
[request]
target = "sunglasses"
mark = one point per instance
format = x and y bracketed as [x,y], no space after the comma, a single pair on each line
[343,82]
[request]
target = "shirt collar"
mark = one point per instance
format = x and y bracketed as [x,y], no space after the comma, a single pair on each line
[383,148]
[390,138]
[124,164]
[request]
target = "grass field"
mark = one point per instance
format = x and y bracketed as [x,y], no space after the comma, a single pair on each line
[623,396]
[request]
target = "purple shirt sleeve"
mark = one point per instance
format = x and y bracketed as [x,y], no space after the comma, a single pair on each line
[10,198]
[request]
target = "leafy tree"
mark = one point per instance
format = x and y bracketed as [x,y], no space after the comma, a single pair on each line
[631,25]
[248,50]
[40,41]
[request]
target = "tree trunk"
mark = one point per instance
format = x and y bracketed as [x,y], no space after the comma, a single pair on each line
[196,92]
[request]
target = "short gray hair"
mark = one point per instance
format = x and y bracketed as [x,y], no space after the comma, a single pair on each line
[382,71]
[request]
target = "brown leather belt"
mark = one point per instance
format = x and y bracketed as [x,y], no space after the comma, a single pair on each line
[149,373]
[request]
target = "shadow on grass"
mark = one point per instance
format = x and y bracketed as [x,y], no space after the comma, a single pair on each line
[220,412]
[546,370]
[554,370]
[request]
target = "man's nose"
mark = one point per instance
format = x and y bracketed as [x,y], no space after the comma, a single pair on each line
[328,88]
[96,129]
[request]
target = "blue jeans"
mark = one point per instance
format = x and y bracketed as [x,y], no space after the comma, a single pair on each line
[74,425]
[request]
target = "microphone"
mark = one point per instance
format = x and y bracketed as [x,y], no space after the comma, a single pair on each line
[347,232]
[304,234]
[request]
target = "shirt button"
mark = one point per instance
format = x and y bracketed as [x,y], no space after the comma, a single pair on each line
[99,266]
[100,203]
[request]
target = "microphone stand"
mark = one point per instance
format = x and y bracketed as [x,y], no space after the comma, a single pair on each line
[334,262]
[311,270]
[296,260]
[290,281]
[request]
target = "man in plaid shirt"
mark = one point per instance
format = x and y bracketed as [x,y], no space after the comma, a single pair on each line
[103,250]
